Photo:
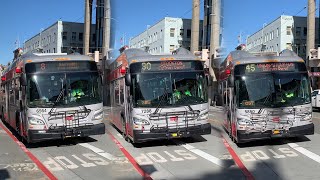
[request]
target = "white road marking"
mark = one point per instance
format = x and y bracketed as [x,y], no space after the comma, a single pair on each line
[119,135]
[305,152]
[2,131]
[21,167]
[103,153]
[98,151]
[204,155]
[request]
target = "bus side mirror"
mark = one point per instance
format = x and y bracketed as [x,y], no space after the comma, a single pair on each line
[231,81]
[128,79]
[209,80]
[23,79]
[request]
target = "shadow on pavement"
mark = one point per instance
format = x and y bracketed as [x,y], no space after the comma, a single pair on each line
[4,174]
[262,170]
[60,143]
[273,142]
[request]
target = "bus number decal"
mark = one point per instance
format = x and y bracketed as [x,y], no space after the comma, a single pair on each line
[146,66]
[39,111]
[145,111]
[247,103]
[250,68]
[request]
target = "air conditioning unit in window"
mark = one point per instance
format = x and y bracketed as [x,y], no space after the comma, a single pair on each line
[314,54]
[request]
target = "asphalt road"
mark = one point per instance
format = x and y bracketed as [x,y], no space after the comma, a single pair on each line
[212,156]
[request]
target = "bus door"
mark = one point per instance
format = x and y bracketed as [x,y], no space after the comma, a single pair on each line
[6,110]
[128,110]
[12,105]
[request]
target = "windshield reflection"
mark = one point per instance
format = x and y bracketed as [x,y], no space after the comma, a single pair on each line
[169,89]
[63,89]
[272,90]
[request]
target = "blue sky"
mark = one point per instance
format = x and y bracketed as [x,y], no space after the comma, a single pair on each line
[248,16]
[24,19]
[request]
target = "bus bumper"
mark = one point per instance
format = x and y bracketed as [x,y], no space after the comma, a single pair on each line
[244,136]
[140,136]
[62,133]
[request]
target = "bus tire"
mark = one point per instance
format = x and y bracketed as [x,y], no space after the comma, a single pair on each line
[2,115]
[124,129]
[18,129]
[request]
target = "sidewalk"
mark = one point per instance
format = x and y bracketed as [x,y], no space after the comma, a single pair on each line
[14,162]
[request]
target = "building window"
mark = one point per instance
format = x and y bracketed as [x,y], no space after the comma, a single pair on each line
[189,33]
[305,31]
[80,36]
[277,32]
[172,32]
[54,50]
[298,31]
[74,35]
[54,37]
[93,38]
[297,48]
[270,36]
[181,32]
[289,46]
[288,30]
[171,48]
[64,35]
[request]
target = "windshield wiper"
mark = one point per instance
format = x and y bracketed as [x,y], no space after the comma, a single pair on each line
[57,100]
[162,98]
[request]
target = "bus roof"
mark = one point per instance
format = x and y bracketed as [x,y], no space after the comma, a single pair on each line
[43,57]
[134,55]
[244,57]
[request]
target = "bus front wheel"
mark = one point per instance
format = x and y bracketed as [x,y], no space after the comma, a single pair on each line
[124,130]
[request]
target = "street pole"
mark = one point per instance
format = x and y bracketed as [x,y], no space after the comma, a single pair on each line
[215,34]
[311,28]
[262,41]
[106,36]
[195,26]
[87,26]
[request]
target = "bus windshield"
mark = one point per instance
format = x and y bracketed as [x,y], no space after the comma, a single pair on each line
[63,89]
[267,90]
[168,89]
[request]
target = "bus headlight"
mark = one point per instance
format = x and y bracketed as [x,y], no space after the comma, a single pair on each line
[244,121]
[35,121]
[203,116]
[98,116]
[139,121]
[306,118]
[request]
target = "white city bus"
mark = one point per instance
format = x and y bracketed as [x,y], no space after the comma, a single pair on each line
[265,96]
[159,96]
[52,96]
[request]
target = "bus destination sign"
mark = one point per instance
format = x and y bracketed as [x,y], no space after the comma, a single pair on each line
[270,67]
[60,66]
[165,65]
[172,65]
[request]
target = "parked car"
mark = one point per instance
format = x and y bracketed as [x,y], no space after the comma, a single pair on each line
[315,99]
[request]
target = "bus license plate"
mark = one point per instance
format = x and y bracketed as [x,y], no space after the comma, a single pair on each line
[276,132]
[175,135]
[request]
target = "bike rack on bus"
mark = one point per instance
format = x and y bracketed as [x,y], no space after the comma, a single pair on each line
[186,117]
[71,119]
